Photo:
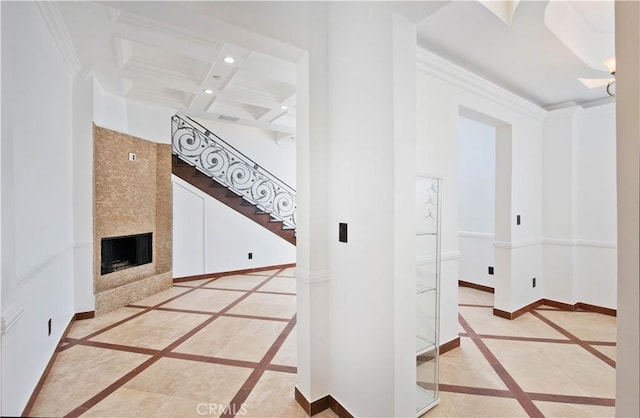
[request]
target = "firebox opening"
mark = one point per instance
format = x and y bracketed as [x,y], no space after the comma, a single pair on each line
[119,253]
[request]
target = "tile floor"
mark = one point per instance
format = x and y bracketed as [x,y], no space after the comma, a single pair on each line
[547,362]
[202,348]
[214,346]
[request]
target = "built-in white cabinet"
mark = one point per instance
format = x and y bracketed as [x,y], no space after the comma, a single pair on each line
[428,198]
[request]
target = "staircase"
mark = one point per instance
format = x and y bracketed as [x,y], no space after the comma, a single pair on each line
[208,163]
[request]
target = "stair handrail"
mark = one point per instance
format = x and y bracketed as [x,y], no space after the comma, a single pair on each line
[218,159]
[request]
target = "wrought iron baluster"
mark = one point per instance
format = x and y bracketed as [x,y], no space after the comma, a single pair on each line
[219,160]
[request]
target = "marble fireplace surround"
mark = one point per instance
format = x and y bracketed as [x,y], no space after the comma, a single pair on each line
[131,197]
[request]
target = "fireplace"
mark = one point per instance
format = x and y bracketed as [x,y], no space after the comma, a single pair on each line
[119,253]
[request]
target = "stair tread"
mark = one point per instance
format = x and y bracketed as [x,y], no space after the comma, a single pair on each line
[205,183]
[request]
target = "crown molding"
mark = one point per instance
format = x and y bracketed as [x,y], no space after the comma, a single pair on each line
[607,109]
[563,114]
[55,23]
[438,67]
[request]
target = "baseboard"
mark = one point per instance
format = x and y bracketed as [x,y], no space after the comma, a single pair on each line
[317,406]
[231,272]
[476,286]
[338,409]
[555,304]
[559,305]
[36,391]
[448,346]
[597,309]
[84,315]
[519,312]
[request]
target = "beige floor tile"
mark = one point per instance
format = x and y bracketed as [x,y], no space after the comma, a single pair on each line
[207,300]
[483,321]
[195,283]
[287,354]
[127,403]
[161,297]
[474,296]
[276,306]
[463,405]
[607,350]
[566,410]
[466,366]
[78,374]
[153,329]
[271,386]
[234,338]
[444,409]
[565,369]
[585,325]
[175,407]
[280,284]
[201,382]
[239,282]
[288,272]
[84,327]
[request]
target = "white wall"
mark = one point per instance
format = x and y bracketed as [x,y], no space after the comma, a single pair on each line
[146,121]
[210,237]
[443,90]
[37,200]
[212,254]
[259,145]
[476,192]
[596,208]
[84,300]
[579,206]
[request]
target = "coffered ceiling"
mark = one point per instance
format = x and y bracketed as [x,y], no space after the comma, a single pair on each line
[173,54]
[184,68]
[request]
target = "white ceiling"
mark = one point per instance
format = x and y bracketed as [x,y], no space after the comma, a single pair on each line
[526,57]
[136,56]
[169,54]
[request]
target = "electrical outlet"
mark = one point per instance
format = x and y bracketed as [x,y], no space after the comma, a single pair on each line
[490,269]
[533,282]
[49,327]
[250,255]
[132,156]
[342,232]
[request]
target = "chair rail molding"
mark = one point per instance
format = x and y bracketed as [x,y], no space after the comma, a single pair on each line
[481,235]
[10,319]
[26,274]
[517,244]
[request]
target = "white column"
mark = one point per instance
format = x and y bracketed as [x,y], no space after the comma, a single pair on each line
[370,74]
[312,257]
[404,256]
[628,169]
[559,142]
[83,192]
[504,219]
